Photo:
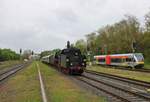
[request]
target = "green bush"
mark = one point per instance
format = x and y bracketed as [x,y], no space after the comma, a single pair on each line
[8,54]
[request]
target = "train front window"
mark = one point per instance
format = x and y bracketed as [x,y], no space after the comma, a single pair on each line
[139,57]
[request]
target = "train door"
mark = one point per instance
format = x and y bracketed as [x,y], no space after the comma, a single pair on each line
[108,60]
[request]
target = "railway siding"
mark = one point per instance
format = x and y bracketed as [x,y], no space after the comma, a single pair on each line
[128,84]
[23,87]
[123,73]
[123,94]
[119,82]
[8,64]
[11,71]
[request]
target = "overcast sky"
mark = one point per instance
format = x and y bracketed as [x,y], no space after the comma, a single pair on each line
[47,24]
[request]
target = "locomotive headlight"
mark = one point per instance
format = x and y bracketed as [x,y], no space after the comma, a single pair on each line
[84,60]
[83,64]
[71,64]
[67,60]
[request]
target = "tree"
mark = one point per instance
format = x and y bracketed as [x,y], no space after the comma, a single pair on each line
[55,50]
[118,38]
[145,43]
[147,22]
[50,52]
[1,55]
[91,42]
[8,54]
[81,44]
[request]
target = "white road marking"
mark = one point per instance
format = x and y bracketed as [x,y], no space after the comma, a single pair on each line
[42,85]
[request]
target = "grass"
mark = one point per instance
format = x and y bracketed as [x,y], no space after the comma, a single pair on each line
[23,87]
[123,73]
[6,64]
[147,64]
[61,89]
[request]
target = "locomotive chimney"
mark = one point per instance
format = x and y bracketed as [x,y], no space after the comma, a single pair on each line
[68,44]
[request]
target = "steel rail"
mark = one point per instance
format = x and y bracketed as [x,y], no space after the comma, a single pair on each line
[6,74]
[124,79]
[119,88]
[122,99]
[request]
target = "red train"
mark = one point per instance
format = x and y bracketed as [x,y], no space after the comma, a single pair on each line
[135,60]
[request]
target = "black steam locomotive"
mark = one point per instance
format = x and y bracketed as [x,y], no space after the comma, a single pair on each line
[70,60]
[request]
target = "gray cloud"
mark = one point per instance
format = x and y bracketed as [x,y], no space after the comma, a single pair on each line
[48,24]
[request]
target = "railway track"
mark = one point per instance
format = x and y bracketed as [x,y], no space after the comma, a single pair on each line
[6,74]
[119,78]
[122,90]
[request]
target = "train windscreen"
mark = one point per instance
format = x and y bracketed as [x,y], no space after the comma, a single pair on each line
[139,57]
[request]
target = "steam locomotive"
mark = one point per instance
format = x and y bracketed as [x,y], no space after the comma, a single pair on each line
[69,60]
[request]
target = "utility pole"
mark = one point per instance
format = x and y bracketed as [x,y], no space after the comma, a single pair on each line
[32,53]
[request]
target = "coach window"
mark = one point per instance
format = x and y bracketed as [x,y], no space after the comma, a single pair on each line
[116,60]
[123,60]
[101,60]
[128,59]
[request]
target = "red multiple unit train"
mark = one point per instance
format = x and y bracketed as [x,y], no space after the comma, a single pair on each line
[135,60]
